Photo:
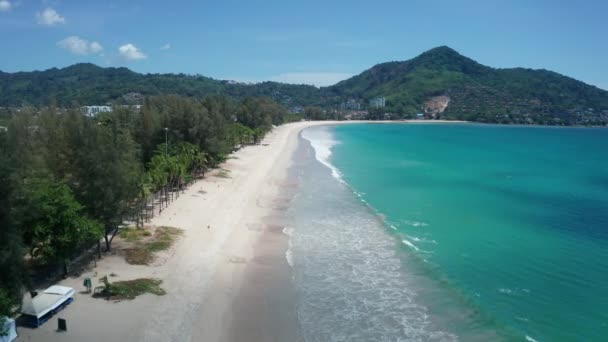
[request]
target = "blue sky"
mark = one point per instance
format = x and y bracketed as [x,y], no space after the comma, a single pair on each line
[317,42]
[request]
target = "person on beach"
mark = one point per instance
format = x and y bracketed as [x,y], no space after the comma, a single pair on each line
[88,284]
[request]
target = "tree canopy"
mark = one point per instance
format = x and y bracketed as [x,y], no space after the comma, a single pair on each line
[68,180]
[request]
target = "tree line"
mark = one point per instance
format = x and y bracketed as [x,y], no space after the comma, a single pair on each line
[68,181]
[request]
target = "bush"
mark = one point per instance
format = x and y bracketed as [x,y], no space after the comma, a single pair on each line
[129,289]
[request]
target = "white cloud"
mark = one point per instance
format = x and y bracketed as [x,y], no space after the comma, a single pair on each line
[80,46]
[5,5]
[49,17]
[95,47]
[166,47]
[131,53]
[319,79]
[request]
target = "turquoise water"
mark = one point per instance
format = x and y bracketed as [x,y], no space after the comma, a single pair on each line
[497,228]
[348,272]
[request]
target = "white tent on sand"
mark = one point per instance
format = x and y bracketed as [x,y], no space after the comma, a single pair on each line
[47,303]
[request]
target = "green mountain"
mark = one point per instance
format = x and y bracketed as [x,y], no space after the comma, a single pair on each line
[440,83]
[444,84]
[86,83]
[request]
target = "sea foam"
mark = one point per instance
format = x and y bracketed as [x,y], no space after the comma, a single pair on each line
[414,223]
[289,253]
[322,141]
[349,280]
[530,339]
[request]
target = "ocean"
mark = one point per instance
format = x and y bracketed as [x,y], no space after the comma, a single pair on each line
[450,232]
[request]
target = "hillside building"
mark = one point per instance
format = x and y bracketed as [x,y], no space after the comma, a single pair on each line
[351,104]
[378,102]
[92,111]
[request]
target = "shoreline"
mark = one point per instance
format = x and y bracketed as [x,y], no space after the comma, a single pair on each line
[227,278]
[231,238]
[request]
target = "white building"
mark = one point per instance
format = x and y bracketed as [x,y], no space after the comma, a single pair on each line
[92,111]
[351,104]
[378,102]
[136,108]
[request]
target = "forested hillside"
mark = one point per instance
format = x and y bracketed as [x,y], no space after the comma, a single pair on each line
[88,84]
[476,92]
[439,83]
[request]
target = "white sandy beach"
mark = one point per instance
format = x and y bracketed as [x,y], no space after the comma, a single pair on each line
[204,273]
[226,279]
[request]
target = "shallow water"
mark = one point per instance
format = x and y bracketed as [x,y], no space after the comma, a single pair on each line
[445,232]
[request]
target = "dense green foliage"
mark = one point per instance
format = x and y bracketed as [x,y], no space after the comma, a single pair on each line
[88,84]
[52,221]
[476,92]
[68,180]
[11,252]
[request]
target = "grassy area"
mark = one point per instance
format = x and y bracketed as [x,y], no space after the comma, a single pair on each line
[144,243]
[134,234]
[138,256]
[129,289]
